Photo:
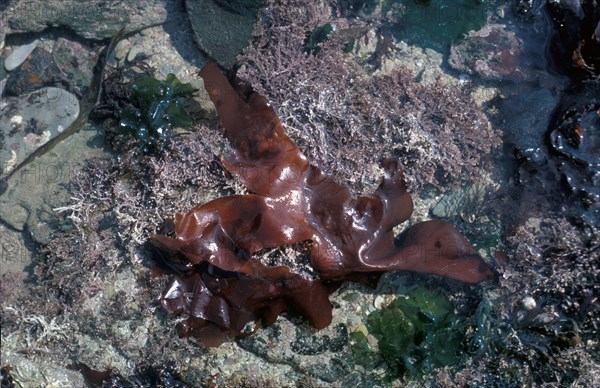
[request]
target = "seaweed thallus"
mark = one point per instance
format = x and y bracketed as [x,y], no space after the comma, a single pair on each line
[224,292]
[157,111]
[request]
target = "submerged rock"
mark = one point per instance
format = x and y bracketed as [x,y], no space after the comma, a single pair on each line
[527,111]
[27,123]
[32,204]
[222,31]
[38,70]
[76,64]
[30,121]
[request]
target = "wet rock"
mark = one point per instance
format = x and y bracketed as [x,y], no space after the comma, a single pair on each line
[37,71]
[491,53]
[575,139]
[576,44]
[561,165]
[527,110]
[95,19]
[133,53]
[76,64]
[26,123]
[222,30]
[19,55]
[319,354]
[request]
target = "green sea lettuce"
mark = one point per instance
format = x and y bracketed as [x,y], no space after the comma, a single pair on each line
[415,333]
[156,111]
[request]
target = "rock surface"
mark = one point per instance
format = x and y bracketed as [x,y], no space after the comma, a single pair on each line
[16,253]
[76,64]
[96,19]
[220,32]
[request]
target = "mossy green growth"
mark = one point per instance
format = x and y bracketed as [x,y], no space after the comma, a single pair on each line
[156,110]
[416,333]
[317,36]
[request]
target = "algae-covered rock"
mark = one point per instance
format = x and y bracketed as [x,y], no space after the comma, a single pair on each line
[36,72]
[492,53]
[76,63]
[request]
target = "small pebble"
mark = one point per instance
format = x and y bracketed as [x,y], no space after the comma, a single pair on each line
[135,50]
[362,329]
[372,341]
[19,55]
[16,119]
[528,303]
[121,50]
[378,302]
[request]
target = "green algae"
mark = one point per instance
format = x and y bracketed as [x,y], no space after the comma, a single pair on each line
[417,333]
[156,111]
[317,36]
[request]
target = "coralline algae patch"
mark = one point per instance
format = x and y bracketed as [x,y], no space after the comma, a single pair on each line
[29,121]
[491,53]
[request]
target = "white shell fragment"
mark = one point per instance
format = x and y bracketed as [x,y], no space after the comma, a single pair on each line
[528,303]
